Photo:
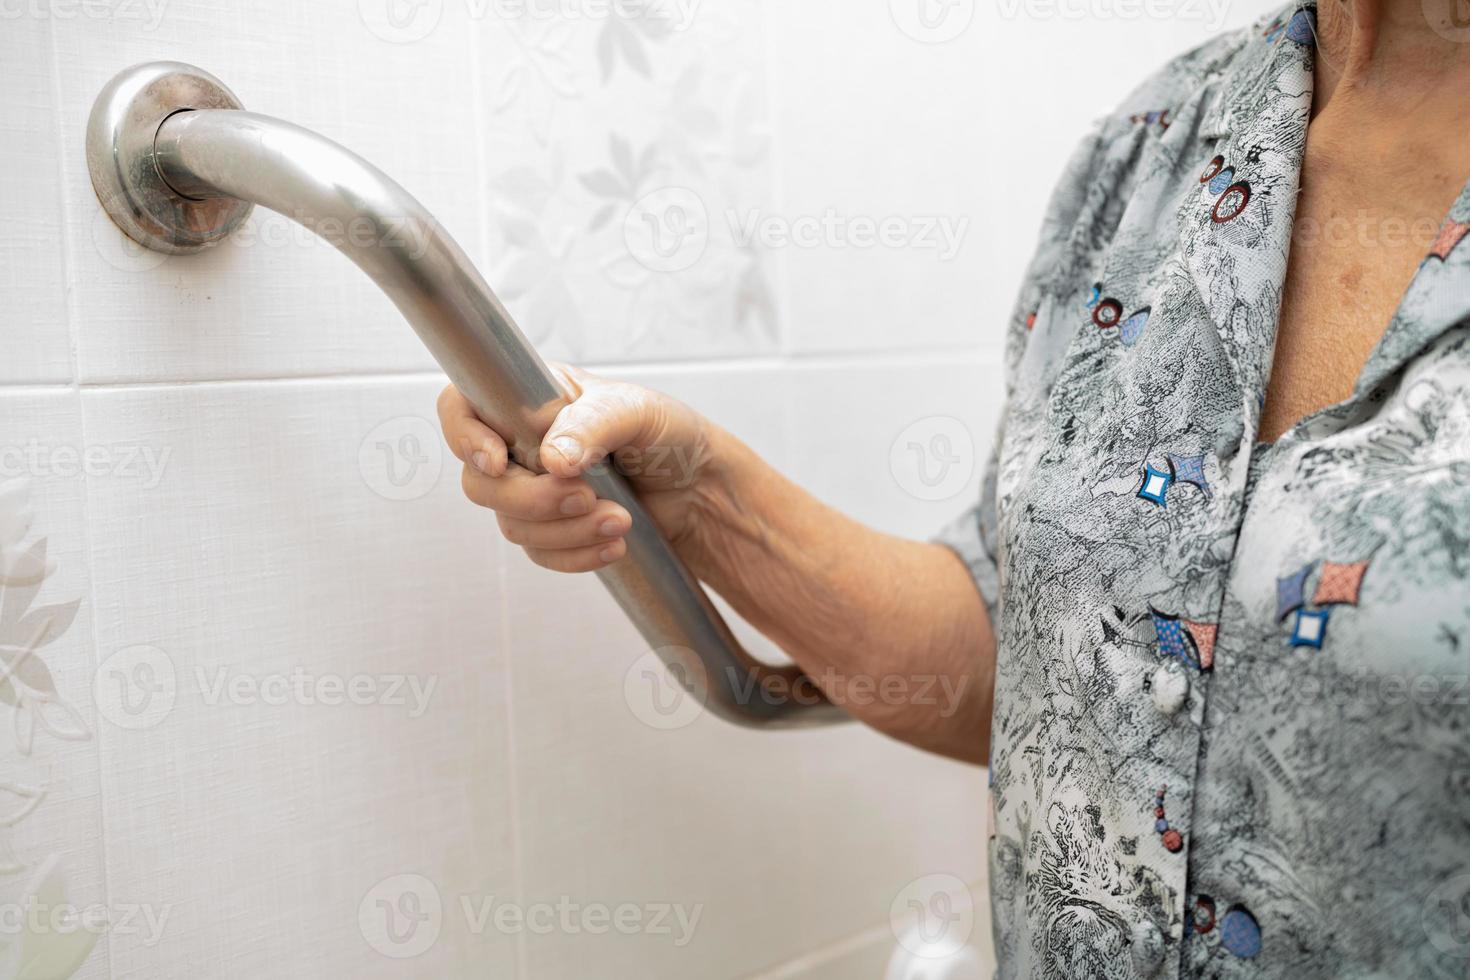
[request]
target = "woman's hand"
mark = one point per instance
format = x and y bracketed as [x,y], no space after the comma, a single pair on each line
[859,611]
[660,444]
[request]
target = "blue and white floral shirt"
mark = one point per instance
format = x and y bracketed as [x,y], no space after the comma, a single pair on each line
[1232,722]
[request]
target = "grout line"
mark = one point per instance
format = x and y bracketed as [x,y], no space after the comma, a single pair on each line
[797,967]
[330,377]
[857,358]
[85,532]
[513,754]
[512,749]
[771,93]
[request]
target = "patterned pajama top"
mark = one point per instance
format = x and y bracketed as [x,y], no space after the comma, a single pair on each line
[1232,721]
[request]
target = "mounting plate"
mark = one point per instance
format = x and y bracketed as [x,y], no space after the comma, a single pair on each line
[120,134]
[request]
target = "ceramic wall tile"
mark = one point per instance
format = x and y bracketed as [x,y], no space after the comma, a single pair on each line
[626,142]
[273,300]
[55,898]
[684,817]
[33,272]
[900,444]
[883,159]
[305,742]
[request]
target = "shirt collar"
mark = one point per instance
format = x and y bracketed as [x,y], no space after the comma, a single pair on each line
[1231,104]
[1437,299]
[1259,112]
[1236,253]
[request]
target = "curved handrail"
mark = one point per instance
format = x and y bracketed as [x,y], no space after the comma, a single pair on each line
[208,154]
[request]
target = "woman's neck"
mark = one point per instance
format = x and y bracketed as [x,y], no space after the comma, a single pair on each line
[1397,55]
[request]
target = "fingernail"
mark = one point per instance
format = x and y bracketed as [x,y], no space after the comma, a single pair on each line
[481,462]
[609,528]
[608,555]
[570,448]
[574,506]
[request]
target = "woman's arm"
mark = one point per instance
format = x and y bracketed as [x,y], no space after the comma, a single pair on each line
[892,630]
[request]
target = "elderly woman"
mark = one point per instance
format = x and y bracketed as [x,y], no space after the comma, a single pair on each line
[1209,617]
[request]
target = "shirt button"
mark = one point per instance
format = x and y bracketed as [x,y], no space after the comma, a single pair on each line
[1148,948]
[1229,438]
[1169,688]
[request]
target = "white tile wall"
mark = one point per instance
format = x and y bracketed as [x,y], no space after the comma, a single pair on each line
[267,495]
[265,823]
[857,147]
[272,301]
[52,809]
[33,271]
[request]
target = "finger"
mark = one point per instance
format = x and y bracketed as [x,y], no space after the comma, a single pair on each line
[587,559]
[607,522]
[528,496]
[572,378]
[604,418]
[469,438]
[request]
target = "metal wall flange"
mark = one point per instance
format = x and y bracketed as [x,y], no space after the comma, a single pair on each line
[120,135]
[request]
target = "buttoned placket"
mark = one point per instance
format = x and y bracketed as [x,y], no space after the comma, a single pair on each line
[1435,300]
[1230,138]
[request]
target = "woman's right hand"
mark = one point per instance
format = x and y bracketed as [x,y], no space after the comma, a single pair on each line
[660,444]
[852,607]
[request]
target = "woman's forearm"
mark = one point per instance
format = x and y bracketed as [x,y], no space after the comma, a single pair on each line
[892,630]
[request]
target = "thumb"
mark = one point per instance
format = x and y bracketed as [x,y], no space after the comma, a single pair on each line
[605,418]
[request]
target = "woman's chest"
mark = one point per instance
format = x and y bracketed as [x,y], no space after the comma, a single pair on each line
[1358,237]
[1333,739]
[1228,677]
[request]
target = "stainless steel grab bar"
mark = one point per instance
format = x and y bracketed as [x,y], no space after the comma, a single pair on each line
[177,164]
